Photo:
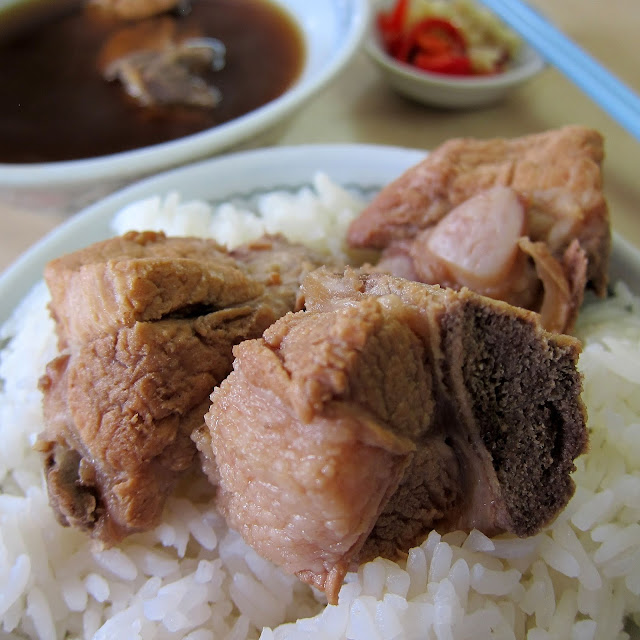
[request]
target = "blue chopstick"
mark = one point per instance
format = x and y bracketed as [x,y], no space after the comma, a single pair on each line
[588,74]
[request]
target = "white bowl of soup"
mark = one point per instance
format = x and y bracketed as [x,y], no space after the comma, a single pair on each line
[70,134]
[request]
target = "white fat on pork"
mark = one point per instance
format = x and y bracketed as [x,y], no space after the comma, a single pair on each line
[478,240]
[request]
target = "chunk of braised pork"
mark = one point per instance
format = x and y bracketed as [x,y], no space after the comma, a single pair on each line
[158,66]
[386,409]
[522,220]
[146,327]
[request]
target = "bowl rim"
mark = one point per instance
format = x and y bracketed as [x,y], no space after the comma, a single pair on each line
[528,63]
[164,155]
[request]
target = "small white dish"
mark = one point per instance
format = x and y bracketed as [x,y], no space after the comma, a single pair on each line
[453,92]
[332,30]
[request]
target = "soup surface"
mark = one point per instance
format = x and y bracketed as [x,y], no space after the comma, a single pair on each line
[57,106]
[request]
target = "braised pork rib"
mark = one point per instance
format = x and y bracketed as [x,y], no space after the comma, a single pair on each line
[386,409]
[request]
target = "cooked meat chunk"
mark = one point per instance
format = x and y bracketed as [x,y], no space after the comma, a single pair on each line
[146,327]
[499,216]
[176,76]
[142,277]
[158,66]
[155,34]
[127,403]
[386,409]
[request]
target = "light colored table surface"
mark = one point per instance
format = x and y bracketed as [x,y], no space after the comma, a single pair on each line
[358,107]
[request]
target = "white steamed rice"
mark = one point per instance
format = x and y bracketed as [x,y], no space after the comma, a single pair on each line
[193,578]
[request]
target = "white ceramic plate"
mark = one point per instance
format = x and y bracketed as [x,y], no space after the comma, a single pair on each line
[332,31]
[242,174]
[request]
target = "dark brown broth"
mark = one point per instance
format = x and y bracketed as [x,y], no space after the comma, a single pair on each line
[56,106]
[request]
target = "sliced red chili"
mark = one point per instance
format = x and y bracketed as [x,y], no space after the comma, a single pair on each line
[391,26]
[432,44]
[442,28]
[394,20]
[432,35]
[459,65]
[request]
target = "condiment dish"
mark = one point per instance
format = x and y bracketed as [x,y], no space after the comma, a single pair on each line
[332,33]
[452,91]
